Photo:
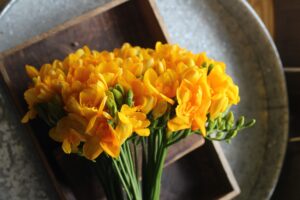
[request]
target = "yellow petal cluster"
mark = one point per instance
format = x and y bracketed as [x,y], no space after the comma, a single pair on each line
[165,79]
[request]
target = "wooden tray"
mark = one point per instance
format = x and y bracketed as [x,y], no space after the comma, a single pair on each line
[105,28]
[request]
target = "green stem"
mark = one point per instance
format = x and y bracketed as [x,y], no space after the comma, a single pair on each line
[126,171]
[157,184]
[109,180]
[131,170]
[136,163]
[125,185]
[154,163]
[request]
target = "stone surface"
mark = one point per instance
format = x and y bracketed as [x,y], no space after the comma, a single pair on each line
[226,29]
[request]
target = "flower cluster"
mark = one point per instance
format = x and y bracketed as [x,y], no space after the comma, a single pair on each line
[95,100]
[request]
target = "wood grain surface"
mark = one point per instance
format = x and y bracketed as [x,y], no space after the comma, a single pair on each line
[288,185]
[265,9]
[287,31]
[287,39]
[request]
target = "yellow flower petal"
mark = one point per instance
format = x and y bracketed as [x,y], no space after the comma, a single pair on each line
[225,92]
[111,149]
[31,114]
[150,77]
[219,105]
[193,104]
[123,118]
[110,143]
[91,124]
[179,123]
[31,71]
[66,146]
[143,132]
[159,109]
[148,103]
[55,135]
[199,123]
[92,148]
[123,131]
[131,120]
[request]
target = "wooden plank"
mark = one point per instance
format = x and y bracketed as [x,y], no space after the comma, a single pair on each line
[292,75]
[184,147]
[288,184]
[199,173]
[154,20]
[289,181]
[287,31]
[265,9]
[68,24]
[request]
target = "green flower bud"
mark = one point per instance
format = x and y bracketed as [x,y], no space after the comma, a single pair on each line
[231,134]
[120,88]
[118,97]
[240,122]
[212,125]
[111,103]
[229,121]
[129,98]
[223,125]
[219,121]
[210,67]
[250,123]
[219,135]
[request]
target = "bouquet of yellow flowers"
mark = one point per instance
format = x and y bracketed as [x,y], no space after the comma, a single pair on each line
[104,105]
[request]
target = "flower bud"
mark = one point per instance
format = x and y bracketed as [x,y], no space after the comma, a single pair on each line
[129,98]
[204,64]
[250,123]
[212,124]
[219,135]
[120,88]
[111,103]
[240,122]
[118,97]
[210,67]
[229,120]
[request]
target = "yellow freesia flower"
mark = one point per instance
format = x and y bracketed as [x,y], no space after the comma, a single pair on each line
[131,120]
[101,137]
[224,91]
[174,56]
[193,104]
[32,72]
[70,131]
[142,97]
[47,82]
[160,109]
[163,86]
[38,94]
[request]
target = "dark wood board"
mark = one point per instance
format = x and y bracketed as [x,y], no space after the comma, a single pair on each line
[288,184]
[105,28]
[287,31]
